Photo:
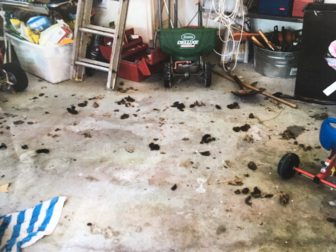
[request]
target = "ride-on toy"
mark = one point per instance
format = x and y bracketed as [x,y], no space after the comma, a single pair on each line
[289,163]
[186,48]
[12,77]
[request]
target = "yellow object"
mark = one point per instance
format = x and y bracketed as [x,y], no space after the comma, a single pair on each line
[71,25]
[28,33]
[15,22]
[4,188]
[31,36]
[333,170]
[35,38]
[65,41]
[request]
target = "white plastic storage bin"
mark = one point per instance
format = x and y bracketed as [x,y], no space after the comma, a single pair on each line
[51,63]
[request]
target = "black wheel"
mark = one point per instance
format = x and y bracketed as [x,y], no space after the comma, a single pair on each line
[286,165]
[207,78]
[167,75]
[17,76]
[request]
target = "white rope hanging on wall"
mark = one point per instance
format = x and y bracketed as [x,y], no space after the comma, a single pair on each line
[230,17]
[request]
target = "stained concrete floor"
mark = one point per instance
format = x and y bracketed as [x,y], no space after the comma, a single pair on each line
[121,194]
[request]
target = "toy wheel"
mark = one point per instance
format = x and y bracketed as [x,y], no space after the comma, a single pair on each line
[286,165]
[207,75]
[17,76]
[167,75]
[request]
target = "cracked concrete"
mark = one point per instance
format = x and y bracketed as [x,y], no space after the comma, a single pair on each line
[120,195]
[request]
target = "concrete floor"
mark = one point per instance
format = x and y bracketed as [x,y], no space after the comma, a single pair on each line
[120,193]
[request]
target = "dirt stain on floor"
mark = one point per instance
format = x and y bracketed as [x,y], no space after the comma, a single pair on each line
[292,132]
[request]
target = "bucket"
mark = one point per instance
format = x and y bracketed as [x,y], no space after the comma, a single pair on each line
[275,63]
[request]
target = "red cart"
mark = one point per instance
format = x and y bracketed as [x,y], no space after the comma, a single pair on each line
[289,164]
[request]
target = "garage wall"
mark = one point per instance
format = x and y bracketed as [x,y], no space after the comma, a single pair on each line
[268,25]
[140,15]
[107,10]
[188,10]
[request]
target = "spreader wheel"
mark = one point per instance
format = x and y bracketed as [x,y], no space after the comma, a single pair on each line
[167,75]
[286,165]
[207,74]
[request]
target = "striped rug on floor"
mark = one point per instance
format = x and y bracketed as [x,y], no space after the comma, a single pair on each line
[22,229]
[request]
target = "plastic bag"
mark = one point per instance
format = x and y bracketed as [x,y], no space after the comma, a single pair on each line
[28,34]
[38,23]
[56,33]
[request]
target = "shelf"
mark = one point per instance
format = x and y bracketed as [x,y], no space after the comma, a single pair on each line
[33,7]
[279,18]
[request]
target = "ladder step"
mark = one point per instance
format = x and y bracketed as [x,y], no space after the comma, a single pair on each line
[83,28]
[94,29]
[93,64]
[100,28]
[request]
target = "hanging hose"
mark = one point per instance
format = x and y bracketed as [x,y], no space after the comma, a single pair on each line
[227,21]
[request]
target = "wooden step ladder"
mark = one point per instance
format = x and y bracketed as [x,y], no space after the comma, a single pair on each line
[83,28]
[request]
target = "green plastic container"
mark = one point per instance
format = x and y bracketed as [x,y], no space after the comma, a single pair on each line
[187,43]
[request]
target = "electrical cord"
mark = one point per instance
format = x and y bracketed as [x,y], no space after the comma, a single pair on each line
[227,22]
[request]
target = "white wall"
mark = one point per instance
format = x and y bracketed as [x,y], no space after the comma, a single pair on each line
[106,12]
[268,25]
[140,16]
[188,9]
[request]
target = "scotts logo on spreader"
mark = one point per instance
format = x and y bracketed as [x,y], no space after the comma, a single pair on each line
[188,40]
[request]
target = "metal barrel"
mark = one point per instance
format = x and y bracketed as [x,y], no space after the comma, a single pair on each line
[275,63]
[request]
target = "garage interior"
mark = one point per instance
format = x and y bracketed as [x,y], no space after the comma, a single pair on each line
[146,167]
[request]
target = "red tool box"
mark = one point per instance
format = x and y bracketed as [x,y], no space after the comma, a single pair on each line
[137,61]
[298,7]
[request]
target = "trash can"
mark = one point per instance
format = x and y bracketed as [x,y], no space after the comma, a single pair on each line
[275,63]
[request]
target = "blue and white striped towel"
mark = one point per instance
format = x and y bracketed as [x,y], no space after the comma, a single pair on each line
[22,229]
